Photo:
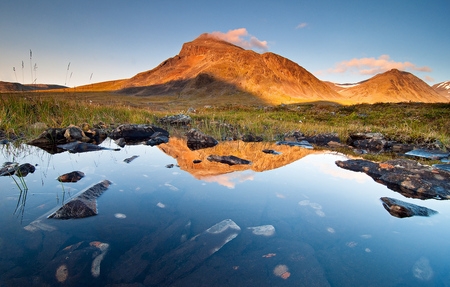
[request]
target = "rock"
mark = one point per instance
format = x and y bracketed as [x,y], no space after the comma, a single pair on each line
[51,136]
[403,209]
[322,139]
[264,230]
[302,144]
[136,132]
[180,120]
[408,177]
[157,139]
[196,161]
[294,136]
[130,159]
[373,142]
[170,165]
[11,168]
[197,140]
[400,148]
[429,154]
[73,176]
[84,205]
[251,138]
[121,142]
[79,147]
[191,254]
[74,133]
[271,151]
[4,141]
[230,159]
[333,144]
[365,136]
[96,135]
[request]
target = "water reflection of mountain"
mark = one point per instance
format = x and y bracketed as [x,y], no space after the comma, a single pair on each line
[177,148]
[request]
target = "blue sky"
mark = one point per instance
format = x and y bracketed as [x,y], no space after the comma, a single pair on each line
[340,41]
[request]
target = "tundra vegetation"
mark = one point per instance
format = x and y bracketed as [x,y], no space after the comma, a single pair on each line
[26,115]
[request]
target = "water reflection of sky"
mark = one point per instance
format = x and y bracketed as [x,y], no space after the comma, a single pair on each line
[335,211]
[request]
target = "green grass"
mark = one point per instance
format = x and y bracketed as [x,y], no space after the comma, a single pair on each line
[405,122]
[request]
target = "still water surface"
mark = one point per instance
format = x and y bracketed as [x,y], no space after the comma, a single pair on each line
[325,226]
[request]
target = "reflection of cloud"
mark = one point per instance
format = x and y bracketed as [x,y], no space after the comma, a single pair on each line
[229,180]
[372,66]
[237,37]
[335,171]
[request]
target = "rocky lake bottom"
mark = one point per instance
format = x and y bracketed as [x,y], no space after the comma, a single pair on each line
[166,216]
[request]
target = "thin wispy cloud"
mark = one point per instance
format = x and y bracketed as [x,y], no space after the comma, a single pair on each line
[301,25]
[242,38]
[429,79]
[372,66]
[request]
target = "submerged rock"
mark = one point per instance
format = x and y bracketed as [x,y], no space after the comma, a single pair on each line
[180,119]
[403,209]
[130,159]
[73,176]
[302,144]
[12,168]
[197,140]
[271,151]
[136,132]
[191,254]
[230,159]
[84,205]
[408,177]
[264,230]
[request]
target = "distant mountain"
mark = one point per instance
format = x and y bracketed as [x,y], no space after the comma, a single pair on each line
[392,86]
[16,87]
[209,66]
[443,89]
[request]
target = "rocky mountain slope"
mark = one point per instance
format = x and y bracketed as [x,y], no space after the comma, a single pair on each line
[392,86]
[443,89]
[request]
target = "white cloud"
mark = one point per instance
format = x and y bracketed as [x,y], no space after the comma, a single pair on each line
[242,38]
[372,66]
[301,25]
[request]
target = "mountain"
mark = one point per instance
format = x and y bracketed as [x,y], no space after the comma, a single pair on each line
[443,89]
[392,86]
[16,87]
[210,66]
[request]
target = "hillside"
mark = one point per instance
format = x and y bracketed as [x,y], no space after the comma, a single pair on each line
[16,87]
[392,86]
[208,66]
[443,89]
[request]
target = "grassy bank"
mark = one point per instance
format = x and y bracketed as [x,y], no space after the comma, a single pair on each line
[406,122]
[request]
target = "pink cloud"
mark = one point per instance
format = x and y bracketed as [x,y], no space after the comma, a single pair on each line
[241,38]
[429,79]
[301,25]
[372,66]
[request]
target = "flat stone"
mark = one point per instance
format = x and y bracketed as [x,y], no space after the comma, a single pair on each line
[302,144]
[403,209]
[426,153]
[84,205]
[407,177]
[230,159]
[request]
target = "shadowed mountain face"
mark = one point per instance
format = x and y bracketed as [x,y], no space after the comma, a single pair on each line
[214,171]
[392,86]
[16,87]
[209,65]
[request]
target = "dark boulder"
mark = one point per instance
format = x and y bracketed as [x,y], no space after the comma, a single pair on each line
[179,120]
[11,168]
[136,132]
[157,139]
[74,133]
[51,136]
[323,139]
[251,138]
[84,205]
[294,136]
[403,209]
[197,140]
[230,159]
[372,142]
[73,176]
[408,177]
[196,161]
[8,168]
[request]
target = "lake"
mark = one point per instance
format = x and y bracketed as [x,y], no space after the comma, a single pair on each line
[289,219]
